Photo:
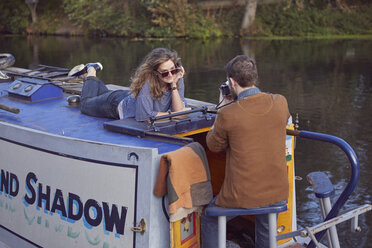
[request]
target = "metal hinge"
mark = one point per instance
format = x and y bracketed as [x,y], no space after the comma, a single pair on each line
[141,228]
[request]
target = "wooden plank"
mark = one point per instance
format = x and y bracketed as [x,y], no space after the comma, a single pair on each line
[72,90]
[52,68]
[47,73]
[51,74]
[16,70]
[66,78]
[9,108]
[38,74]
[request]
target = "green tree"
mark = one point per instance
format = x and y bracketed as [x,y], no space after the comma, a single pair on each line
[103,16]
[14,16]
[178,18]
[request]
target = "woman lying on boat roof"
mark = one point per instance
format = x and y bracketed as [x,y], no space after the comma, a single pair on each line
[156,89]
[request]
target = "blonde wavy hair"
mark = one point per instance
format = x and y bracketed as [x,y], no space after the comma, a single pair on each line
[148,71]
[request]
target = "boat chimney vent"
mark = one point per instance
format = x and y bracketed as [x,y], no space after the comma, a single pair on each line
[34,90]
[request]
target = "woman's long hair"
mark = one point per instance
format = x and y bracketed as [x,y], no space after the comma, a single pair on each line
[148,71]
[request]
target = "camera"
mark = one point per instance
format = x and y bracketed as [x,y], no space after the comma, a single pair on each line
[225,89]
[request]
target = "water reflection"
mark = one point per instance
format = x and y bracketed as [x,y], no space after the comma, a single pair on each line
[328,82]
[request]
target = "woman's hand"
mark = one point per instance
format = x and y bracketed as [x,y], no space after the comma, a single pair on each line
[179,75]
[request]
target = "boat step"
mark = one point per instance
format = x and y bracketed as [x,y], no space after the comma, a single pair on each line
[322,186]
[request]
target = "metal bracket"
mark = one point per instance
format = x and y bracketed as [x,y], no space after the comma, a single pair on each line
[203,109]
[141,228]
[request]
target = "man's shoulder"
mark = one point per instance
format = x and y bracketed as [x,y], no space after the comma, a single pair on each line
[275,96]
[279,98]
[228,108]
[269,94]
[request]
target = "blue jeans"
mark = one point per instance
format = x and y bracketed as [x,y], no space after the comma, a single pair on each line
[97,100]
[209,229]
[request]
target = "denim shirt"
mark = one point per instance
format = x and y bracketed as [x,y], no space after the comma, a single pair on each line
[248,92]
[144,106]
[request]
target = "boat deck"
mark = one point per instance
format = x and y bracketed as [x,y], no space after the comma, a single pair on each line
[57,117]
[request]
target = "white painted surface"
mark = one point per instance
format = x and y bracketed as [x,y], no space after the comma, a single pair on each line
[3,245]
[87,169]
[97,185]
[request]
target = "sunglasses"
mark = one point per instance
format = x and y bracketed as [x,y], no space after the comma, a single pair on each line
[166,73]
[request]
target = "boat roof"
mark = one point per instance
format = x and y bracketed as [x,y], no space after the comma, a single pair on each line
[57,117]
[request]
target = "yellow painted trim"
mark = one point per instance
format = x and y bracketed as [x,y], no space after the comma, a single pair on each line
[175,232]
[285,219]
[201,130]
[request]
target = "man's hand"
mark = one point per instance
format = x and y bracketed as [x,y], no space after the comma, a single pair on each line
[226,99]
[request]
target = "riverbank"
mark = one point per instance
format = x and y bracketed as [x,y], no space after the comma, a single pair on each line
[78,35]
[167,20]
[309,37]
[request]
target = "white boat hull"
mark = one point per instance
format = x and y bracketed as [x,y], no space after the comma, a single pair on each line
[63,192]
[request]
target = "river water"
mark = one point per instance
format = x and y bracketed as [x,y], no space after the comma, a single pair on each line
[327,82]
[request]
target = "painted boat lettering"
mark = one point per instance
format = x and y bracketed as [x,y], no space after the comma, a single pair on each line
[70,209]
[9,184]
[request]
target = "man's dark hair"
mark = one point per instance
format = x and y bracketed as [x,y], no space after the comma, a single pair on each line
[243,70]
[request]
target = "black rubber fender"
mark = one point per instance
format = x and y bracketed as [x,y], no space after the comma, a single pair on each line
[6,60]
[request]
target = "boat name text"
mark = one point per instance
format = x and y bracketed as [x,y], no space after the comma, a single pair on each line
[70,209]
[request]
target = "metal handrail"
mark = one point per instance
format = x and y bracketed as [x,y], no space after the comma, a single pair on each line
[202,109]
[355,171]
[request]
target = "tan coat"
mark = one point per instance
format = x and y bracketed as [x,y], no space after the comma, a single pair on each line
[184,175]
[253,132]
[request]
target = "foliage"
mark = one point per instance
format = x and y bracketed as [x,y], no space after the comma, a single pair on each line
[178,18]
[100,16]
[49,12]
[312,21]
[357,22]
[182,18]
[229,20]
[14,16]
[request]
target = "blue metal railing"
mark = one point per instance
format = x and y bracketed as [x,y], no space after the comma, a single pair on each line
[354,171]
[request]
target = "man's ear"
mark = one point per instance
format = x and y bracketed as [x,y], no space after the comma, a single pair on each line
[233,82]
